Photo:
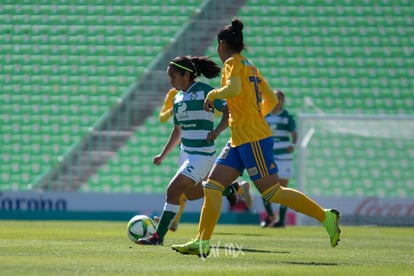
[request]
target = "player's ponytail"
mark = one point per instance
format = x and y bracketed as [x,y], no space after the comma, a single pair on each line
[206,67]
[233,35]
[196,66]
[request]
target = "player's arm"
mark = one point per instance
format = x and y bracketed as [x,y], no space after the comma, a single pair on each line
[222,125]
[293,132]
[167,108]
[294,137]
[232,88]
[173,141]
[269,98]
[165,114]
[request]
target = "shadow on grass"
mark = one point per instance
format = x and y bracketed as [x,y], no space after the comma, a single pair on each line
[309,263]
[238,234]
[255,250]
[278,252]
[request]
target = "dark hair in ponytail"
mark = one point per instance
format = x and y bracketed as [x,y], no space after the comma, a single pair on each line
[196,66]
[232,34]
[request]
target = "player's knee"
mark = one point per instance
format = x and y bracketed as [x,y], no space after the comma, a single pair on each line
[212,185]
[271,192]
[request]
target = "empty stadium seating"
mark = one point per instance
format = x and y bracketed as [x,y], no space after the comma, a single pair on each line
[63,65]
[333,57]
[340,55]
[66,64]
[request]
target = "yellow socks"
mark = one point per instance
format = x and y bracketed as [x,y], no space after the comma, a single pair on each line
[210,212]
[295,200]
[291,198]
[183,201]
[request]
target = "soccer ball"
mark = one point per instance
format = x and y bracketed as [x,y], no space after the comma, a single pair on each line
[140,226]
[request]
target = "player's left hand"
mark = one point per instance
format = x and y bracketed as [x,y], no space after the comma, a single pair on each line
[211,136]
[208,105]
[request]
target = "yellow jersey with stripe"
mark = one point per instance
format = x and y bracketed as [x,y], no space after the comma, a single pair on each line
[249,98]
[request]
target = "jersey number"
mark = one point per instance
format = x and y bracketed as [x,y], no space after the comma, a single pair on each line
[255,80]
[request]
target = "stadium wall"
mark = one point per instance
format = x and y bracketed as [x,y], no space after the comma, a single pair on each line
[120,207]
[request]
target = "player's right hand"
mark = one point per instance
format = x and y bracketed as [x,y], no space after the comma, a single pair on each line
[157,160]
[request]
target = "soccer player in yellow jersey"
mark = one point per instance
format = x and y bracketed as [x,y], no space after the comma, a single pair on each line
[249,99]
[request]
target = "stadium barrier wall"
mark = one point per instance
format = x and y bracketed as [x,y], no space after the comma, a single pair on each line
[100,206]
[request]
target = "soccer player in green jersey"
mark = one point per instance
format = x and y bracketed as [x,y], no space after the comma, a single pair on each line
[166,113]
[195,132]
[249,98]
[285,136]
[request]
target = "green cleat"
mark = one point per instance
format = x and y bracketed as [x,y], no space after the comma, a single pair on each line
[195,247]
[331,224]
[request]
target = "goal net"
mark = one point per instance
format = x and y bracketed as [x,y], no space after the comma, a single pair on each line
[362,165]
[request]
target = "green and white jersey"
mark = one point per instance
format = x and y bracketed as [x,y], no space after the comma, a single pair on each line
[194,121]
[282,125]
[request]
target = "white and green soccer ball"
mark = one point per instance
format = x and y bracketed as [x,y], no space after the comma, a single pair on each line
[140,226]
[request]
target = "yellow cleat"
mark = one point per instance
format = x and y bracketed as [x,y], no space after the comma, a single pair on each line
[331,225]
[195,247]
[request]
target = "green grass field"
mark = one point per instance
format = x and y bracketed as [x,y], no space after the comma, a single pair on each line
[102,248]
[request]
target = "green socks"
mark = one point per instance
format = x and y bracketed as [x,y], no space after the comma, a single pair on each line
[282,214]
[268,207]
[167,216]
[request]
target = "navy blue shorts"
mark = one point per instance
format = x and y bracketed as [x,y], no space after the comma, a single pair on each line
[256,157]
